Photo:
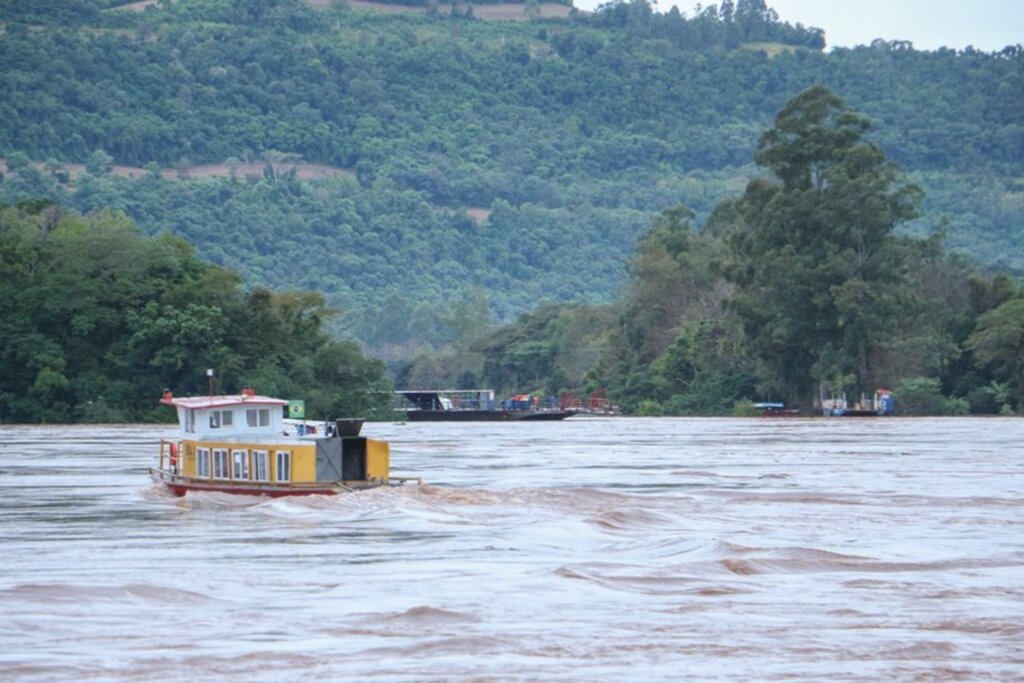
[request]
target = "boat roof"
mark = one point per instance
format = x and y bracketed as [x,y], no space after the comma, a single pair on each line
[254,439]
[443,392]
[209,402]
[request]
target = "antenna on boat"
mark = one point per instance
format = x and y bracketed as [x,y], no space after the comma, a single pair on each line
[209,375]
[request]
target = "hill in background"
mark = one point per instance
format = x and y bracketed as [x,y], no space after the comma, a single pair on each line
[517,159]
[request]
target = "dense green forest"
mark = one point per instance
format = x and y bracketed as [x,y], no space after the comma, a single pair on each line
[625,191]
[798,287]
[96,320]
[521,159]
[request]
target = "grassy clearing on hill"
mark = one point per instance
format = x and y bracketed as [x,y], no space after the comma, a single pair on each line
[509,11]
[303,171]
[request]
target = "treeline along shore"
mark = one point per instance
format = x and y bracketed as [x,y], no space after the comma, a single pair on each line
[686,210]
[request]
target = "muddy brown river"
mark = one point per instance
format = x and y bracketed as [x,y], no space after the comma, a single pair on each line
[607,549]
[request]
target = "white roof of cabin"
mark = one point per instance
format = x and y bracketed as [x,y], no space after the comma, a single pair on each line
[211,402]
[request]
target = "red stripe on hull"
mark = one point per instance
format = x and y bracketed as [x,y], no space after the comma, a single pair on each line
[181,486]
[180,490]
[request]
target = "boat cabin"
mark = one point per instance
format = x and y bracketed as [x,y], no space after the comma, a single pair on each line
[244,415]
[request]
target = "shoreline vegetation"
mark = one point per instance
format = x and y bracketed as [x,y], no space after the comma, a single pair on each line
[795,287]
[688,212]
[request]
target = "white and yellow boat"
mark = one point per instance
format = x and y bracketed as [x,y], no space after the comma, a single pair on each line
[237,444]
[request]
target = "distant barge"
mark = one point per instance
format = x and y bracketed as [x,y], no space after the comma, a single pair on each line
[882,403]
[473,405]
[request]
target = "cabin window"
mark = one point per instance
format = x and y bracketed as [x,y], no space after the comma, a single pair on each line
[220,418]
[190,421]
[240,464]
[284,466]
[257,417]
[220,463]
[260,463]
[203,463]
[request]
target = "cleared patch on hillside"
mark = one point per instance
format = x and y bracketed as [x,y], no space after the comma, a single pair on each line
[478,214]
[136,6]
[517,12]
[303,171]
[509,11]
[770,49]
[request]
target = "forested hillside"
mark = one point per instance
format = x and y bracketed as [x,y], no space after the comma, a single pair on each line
[520,161]
[799,289]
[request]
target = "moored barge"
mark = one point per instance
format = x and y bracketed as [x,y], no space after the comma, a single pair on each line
[474,405]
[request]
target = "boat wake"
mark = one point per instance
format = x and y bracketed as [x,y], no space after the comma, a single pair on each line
[725,561]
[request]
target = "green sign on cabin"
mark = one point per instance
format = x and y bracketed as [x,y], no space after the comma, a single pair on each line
[296,409]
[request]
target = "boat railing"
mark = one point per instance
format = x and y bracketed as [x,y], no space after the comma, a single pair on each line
[170,456]
[418,480]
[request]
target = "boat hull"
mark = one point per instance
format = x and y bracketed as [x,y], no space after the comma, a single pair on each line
[180,486]
[854,413]
[485,415]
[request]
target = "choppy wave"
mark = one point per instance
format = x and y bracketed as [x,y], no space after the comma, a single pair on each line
[426,615]
[77,594]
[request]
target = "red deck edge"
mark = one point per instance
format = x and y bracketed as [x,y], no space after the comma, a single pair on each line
[182,485]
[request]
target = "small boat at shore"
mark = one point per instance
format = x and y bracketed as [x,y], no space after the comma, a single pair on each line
[238,444]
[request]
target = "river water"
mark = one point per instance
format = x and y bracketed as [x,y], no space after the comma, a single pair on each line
[592,549]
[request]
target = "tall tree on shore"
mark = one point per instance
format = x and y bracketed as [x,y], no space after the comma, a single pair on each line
[816,263]
[998,342]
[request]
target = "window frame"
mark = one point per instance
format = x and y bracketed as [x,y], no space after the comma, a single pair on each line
[203,469]
[241,463]
[257,417]
[260,465]
[221,418]
[284,457]
[221,464]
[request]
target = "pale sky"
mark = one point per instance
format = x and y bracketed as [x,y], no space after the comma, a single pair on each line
[929,24]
